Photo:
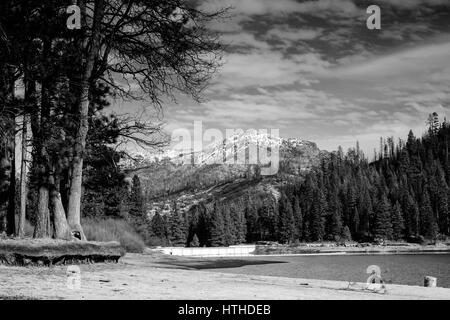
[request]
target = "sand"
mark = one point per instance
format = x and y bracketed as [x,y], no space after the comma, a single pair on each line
[153,276]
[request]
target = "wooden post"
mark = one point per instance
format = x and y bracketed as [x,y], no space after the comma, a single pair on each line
[430,281]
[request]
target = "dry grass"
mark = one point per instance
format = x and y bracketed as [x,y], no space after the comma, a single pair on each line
[29,229]
[113,230]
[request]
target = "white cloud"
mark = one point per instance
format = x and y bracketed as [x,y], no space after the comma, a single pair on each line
[269,68]
[322,8]
[405,64]
[413,4]
[290,34]
[244,39]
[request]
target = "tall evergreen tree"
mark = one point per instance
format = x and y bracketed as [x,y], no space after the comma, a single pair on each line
[286,222]
[240,224]
[158,227]
[316,223]
[412,215]
[398,225]
[429,227]
[383,225]
[298,218]
[216,227]
[136,202]
[177,228]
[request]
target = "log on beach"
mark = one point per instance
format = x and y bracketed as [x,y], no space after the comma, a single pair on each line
[25,252]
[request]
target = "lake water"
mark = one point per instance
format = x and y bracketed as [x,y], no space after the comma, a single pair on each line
[408,269]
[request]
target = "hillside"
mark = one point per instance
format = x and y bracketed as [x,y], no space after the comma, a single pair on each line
[176,179]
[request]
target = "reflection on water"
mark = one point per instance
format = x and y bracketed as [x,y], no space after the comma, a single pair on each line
[409,269]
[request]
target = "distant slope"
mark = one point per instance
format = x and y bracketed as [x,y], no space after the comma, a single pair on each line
[175,179]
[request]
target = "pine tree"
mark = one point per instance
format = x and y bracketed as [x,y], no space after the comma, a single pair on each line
[383,225]
[334,219]
[335,230]
[398,226]
[412,216]
[195,242]
[366,213]
[229,230]
[177,228]
[216,227]
[251,218]
[136,199]
[316,226]
[137,215]
[346,235]
[158,227]
[286,222]
[240,225]
[298,218]
[442,201]
[429,227]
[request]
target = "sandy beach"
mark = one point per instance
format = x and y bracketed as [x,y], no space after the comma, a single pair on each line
[154,276]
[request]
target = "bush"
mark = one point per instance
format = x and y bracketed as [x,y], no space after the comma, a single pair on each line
[195,242]
[346,235]
[113,230]
[417,239]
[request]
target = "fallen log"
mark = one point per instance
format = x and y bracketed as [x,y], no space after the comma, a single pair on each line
[25,252]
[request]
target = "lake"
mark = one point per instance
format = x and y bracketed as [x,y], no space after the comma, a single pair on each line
[407,269]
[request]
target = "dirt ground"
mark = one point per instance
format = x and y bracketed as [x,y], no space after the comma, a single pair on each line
[155,276]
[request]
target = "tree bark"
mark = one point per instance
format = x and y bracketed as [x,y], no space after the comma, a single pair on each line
[61,226]
[62,229]
[42,229]
[23,179]
[11,214]
[74,206]
[11,211]
[30,90]
[43,217]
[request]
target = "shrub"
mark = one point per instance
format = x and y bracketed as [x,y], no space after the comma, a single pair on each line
[113,230]
[195,242]
[346,235]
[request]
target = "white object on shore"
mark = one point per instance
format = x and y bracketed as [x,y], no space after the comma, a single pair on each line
[231,251]
[430,281]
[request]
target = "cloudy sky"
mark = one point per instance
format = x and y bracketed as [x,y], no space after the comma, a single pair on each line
[314,70]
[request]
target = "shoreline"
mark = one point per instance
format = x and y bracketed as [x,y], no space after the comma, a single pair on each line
[281,250]
[153,276]
[357,248]
[343,253]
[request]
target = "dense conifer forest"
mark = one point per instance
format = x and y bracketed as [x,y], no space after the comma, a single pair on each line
[402,194]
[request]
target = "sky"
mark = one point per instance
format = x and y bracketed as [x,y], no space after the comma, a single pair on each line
[313,70]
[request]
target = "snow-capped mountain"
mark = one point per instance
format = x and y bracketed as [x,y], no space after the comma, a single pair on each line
[251,147]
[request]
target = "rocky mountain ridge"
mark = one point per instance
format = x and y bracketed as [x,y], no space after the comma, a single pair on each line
[212,175]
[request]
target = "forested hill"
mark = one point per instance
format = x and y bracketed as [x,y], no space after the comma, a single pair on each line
[402,195]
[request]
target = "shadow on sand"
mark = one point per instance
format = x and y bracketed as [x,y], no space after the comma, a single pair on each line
[209,263]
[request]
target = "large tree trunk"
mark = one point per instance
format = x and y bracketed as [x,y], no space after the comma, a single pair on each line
[61,227]
[42,229]
[11,145]
[30,90]
[23,179]
[11,214]
[74,206]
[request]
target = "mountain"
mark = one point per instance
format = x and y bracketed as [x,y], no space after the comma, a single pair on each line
[315,196]
[222,171]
